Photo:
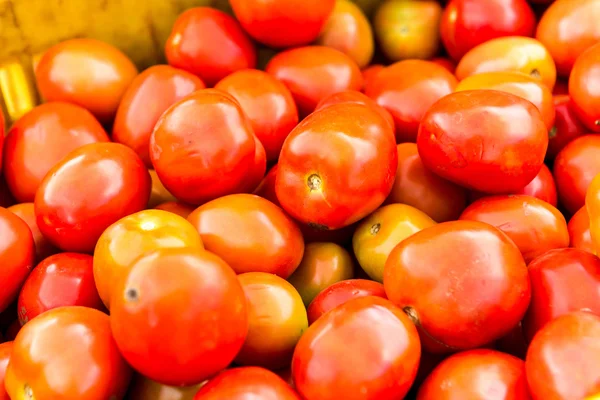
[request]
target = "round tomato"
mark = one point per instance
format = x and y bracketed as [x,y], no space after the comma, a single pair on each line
[356,97]
[43,247]
[583,83]
[542,187]
[176,207]
[5,352]
[567,126]
[579,231]
[143,388]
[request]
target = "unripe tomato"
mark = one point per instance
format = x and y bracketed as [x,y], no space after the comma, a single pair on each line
[583,84]
[43,247]
[143,388]
[579,231]
[5,352]
[567,126]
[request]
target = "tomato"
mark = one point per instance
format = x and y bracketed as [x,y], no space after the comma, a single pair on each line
[312,73]
[337,166]
[445,62]
[228,50]
[579,231]
[353,96]
[378,234]
[176,207]
[396,87]
[584,84]
[143,388]
[477,374]
[87,72]
[41,139]
[323,265]
[78,359]
[158,194]
[567,28]
[370,73]
[563,357]
[5,352]
[509,54]
[369,348]
[268,104]
[200,295]
[259,167]
[475,301]
[468,23]
[146,99]
[91,188]
[567,126]
[542,187]
[340,293]
[244,383]
[43,247]
[283,23]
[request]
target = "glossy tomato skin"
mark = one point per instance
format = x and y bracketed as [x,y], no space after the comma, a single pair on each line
[457,129]
[369,347]
[159,193]
[497,290]
[176,207]
[258,169]
[468,23]
[567,126]
[5,352]
[396,87]
[584,82]
[116,184]
[79,360]
[86,72]
[146,99]
[185,164]
[143,388]
[337,166]
[40,139]
[579,231]
[542,187]
[312,73]
[228,50]
[353,96]
[43,247]
[370,73]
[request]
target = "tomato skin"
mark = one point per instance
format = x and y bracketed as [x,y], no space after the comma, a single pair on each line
[579,231]
[445,62]
[563,357]
[567,126]
[353,96]
[143,388]
[228,50]
[43,247]
[116,184]
[583,88]
[266,188]
[176,207]
[79,359]
[312,73]
[209,333]
[396,87]
[41,139]
[369,346]
[509,128]
[5,352]
[159,193]
[86,72]
[542,187]
[370,72]
[146,99]
[496,291]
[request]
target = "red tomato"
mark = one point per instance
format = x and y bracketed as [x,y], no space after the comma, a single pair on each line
[396,87]
[566,126]
[312,73]
[579,231]
[353,96]
[369,349]
[468,23]
[259,167]
[210,44]
[475,302]
[211,316]
[5,352]
[370,73]
[266,188]
[584,83]
[91,188]
[563,358]
[542,187]
[485,140]
[78,358]
[283,23]
[43,247]
[176,207]
[146,99]
[337,166]
[267,103]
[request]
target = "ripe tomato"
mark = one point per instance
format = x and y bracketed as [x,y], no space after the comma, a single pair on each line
[592,206]
[91,188]
[200,295]
[283,23]
[477,374]
[312,73]
[378,234]
[353,96]
[5,352]
[182,157]
[370,73]
[396,87]
[579,231]
[87,72]
[468,23]
[143,388]
[43,247]
[542,187]
[146,99]
[79,358]
[267,103]
[259,167]
[341,292]
[41,139]
[176,207]
[158,194]
[337,166]
[228,49]
[562,360]
[567,126]
[445,62]
[583,83]
[369,348]
[475,302]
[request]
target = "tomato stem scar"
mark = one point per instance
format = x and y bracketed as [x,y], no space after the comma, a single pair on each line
[375,229]
[535,73]
[131,294]
[314,182]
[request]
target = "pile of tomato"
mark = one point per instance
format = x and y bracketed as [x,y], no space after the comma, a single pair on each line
[311,201]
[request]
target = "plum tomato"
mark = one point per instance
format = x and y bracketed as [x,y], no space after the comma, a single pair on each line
[579,231]
[40,139]
[5,352]
[369,348]
[43,247]
[188,153]
[143,388]
[78,359]
[159,194]
[474,290]
[266,188]
[86,72]
[396,87]
[584,87]
[90,189]
[486,140]
[228,50]
[200,295]
[353,96]
[567,126]
[542,187]
[176,207]
[337,166]
[146,99]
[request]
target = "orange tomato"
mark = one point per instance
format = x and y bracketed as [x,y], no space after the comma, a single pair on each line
[5,352]
[143,388]
[43,247]
[353,96]
[176,207]
[579,231]
[158,194]
[584,83]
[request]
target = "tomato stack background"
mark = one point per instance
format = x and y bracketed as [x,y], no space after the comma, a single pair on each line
[316,199]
